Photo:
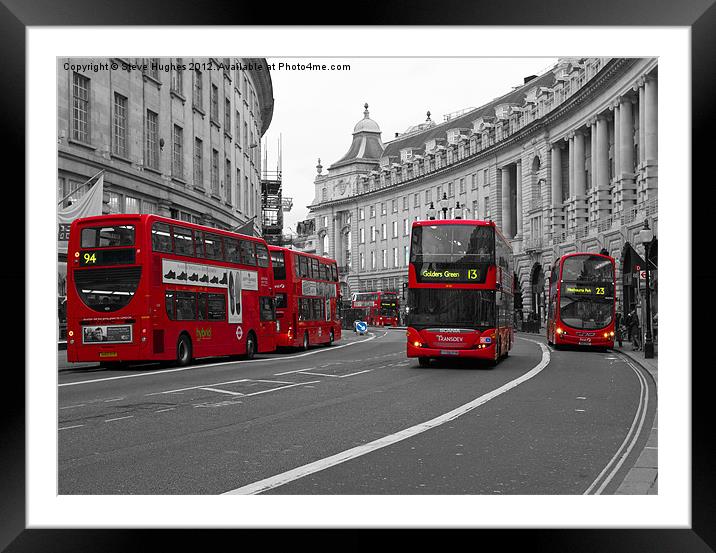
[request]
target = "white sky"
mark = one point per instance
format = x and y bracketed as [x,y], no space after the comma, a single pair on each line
[315,111]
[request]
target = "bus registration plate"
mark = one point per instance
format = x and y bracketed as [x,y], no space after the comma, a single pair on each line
[449,352]
[585,340]
[108,354]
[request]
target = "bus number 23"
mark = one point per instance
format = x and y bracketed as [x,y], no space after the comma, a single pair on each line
[600,291]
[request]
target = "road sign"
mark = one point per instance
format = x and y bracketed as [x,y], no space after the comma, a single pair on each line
[361,327]
[642,275]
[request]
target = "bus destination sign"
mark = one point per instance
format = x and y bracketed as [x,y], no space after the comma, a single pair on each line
[582,289]
[452,273]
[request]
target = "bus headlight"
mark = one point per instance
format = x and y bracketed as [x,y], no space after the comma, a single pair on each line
[417,344]
[559,330]
[611,333]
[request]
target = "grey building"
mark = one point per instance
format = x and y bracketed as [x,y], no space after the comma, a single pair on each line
[565,162]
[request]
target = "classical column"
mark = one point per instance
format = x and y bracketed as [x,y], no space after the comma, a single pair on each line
[617,141]
[642,144]
[580,176]
[593,153]
[556,178]
[571,166]
[506,207]
[626,187]
[651,119]
[600,165]
[518,172]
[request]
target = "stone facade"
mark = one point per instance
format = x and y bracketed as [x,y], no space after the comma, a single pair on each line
[566,162]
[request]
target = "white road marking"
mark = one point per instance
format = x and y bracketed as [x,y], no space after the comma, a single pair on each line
[68,427]
[162,410]
[322,464]
[282,388]
[634,431]
[113,399]
[222,391]
[119,418]
[73,406]
[204,366]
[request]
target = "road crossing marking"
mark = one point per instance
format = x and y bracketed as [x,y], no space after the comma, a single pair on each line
[69,427]
[204,366]
[322,464]
[222,391]
[120,418]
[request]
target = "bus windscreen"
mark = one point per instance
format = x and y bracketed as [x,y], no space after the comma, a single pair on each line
[436,307]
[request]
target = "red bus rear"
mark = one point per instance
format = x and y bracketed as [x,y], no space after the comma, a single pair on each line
[383,307]
[307,291]
[582,301]
[460,291]
[149,288]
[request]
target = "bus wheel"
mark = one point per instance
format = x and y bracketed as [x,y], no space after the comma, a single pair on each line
[424,361]
[250,346]
[183,350]
[305,341]
[331,337]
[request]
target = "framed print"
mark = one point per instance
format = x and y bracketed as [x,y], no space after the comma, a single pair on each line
[436,181]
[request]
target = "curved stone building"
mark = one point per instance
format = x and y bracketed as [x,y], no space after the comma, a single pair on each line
[565,162]
[175,136]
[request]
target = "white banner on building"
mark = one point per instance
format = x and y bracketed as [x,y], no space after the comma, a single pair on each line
[90,204]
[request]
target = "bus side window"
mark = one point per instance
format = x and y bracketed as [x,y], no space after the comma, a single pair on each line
[248,254]
[185,306]
[199,243]
[213,246]
[169,304]
[231,246]
[314,269]
[262,255]
[161,237]
[216,307]
[183,243]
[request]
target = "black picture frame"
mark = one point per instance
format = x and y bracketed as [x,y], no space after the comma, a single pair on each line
[699,15]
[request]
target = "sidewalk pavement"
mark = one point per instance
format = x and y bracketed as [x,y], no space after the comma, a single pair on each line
[643,477]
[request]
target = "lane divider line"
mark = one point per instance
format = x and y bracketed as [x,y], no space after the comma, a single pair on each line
[322,464]
[629,440]
[204,366]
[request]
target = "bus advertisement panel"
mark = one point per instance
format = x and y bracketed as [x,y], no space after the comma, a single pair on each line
[582,301]
[383,307]
[307,298]
[149,288]
[460,291]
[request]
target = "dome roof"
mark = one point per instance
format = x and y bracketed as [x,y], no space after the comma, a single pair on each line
[366,124]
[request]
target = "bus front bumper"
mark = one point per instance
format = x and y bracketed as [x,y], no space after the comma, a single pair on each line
[594,341]
[470,353]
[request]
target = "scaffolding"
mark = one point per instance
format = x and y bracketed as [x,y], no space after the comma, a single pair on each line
[273,204]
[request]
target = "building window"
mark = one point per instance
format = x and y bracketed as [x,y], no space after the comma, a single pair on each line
[428,197]
[416,200]
[198,100]
[473,186]
[372,233]
[238,188]
[246,193]
[153,68]
[406,227]
[214,113]
[385,259]
[405,203]
[178,152]
[119,126]
[325,221]
[227,180]
[215,172]
[361,214]
[362,260]
[80,108]
[131,205]
[486,177]
[382,208]
[372,211]
[451,190]
[152,140]
[372,260]
[149,207]
[113,201]
[395,229]
[383,233]
[486,207]
[198,163]
[475,209]
[227,115]
[238,128]
[395,257]
[361,236]
[395,205]
[406,255]
[462,186]
[323,194]
[178,77]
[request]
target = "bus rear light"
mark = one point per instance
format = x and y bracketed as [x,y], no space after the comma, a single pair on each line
[70,333]
[144,338]
[72,341]
[417,344]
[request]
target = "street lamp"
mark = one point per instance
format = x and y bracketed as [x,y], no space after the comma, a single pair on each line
[645,237]
[431,211]
[444,205]
[459,211]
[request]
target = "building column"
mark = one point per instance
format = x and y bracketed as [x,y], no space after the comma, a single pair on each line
[601,167]
[520,211]
[651,129]
[165,208]
[506,207]
[617,141]
[642,144]
[580,180]
[625,173]
[556,181]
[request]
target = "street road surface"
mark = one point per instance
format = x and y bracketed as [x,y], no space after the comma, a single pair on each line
[349,419]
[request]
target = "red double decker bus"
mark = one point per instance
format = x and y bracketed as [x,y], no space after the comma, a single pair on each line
[460,291]
[383,307]
[582,301]
[149,288]
[307,298]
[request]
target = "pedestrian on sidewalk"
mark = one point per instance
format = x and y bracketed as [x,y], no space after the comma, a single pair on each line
[634,330]
[618,327]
